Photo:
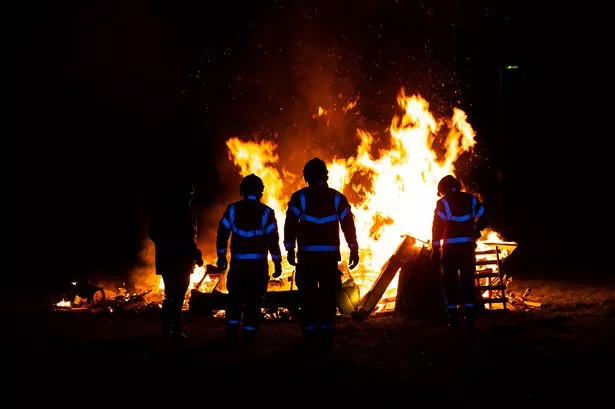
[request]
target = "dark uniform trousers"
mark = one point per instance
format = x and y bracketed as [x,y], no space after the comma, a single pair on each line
[176,278]
[458,275]
[318,282]
[246,284]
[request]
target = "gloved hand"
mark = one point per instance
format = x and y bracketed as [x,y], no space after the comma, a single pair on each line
[221,263]
[277,272]
[435,255]
[198,258]
[353,260]
[290,256]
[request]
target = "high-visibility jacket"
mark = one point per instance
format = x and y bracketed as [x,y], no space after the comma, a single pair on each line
[459,217]
[313,221]
[253,229]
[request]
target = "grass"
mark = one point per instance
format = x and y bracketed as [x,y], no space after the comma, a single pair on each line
[549,355]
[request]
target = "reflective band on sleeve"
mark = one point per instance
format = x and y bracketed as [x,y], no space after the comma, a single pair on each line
[353,246]
[226,223]
[276,257]
[252,197]
[344,213]
[480,211]
[295,211]
[231,214]
[463,218]
[319,248]
[302,200]
[221,251]
[469,305]
[265,217]
[233,322]
[289,245]
[270,228]
[436,244]
[447,209]
[245,233]
[337,201]
[441,215]
[249,328]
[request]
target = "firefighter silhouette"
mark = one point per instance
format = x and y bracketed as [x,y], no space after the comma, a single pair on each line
[253,230]
[313,219]
[459,218]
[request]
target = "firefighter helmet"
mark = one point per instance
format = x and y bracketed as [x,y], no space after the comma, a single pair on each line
[448,184]
[251,185]
[315,169]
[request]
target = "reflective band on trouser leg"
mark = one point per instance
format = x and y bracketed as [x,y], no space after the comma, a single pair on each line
[326,327]
[310,328]
[232,322]
[249,328]
[276,257]
[469,305]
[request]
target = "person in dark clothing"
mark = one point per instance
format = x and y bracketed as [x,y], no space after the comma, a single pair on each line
[253,230]
[313,221]
[173,230]
[459,218]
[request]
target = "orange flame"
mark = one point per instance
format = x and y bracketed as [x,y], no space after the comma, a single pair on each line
[396,189]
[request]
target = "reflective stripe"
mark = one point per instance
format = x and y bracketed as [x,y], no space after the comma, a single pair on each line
[344,213]
[276,257]
[318,248]
[436,244]
[289,245]
[451,307]
[316,220]
[221,251]
[231,215]
[249,328]
[480,211]
[226,223]
[270,228]
[246,233]
[447,209]
[337,201]
[252,197]
[233,322]
[458,240]
[265,216]
[469,305]
[309,328]
[463,218]
[249,256]
[326,327]
[353,245]
[441,215]
[296,211]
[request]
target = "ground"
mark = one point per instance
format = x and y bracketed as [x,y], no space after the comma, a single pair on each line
[558,353]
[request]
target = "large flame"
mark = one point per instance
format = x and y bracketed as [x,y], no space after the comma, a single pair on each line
[395,188]
[393,191]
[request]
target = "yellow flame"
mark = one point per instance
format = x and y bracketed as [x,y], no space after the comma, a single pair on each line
[396,188]
[64,303]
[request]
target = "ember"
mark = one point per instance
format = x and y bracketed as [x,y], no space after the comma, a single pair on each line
[393,196]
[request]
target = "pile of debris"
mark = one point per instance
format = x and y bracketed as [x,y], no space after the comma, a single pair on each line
[92,298]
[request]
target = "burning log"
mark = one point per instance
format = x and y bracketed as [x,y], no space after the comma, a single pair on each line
[404,252]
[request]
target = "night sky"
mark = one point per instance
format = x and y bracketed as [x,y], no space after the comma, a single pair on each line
[109,98]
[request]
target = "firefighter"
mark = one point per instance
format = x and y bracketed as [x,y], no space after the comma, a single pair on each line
[459,218]
[313,219]
[253,230]
[173,230]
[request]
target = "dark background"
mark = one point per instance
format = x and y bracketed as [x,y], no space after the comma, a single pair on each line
[106,99]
